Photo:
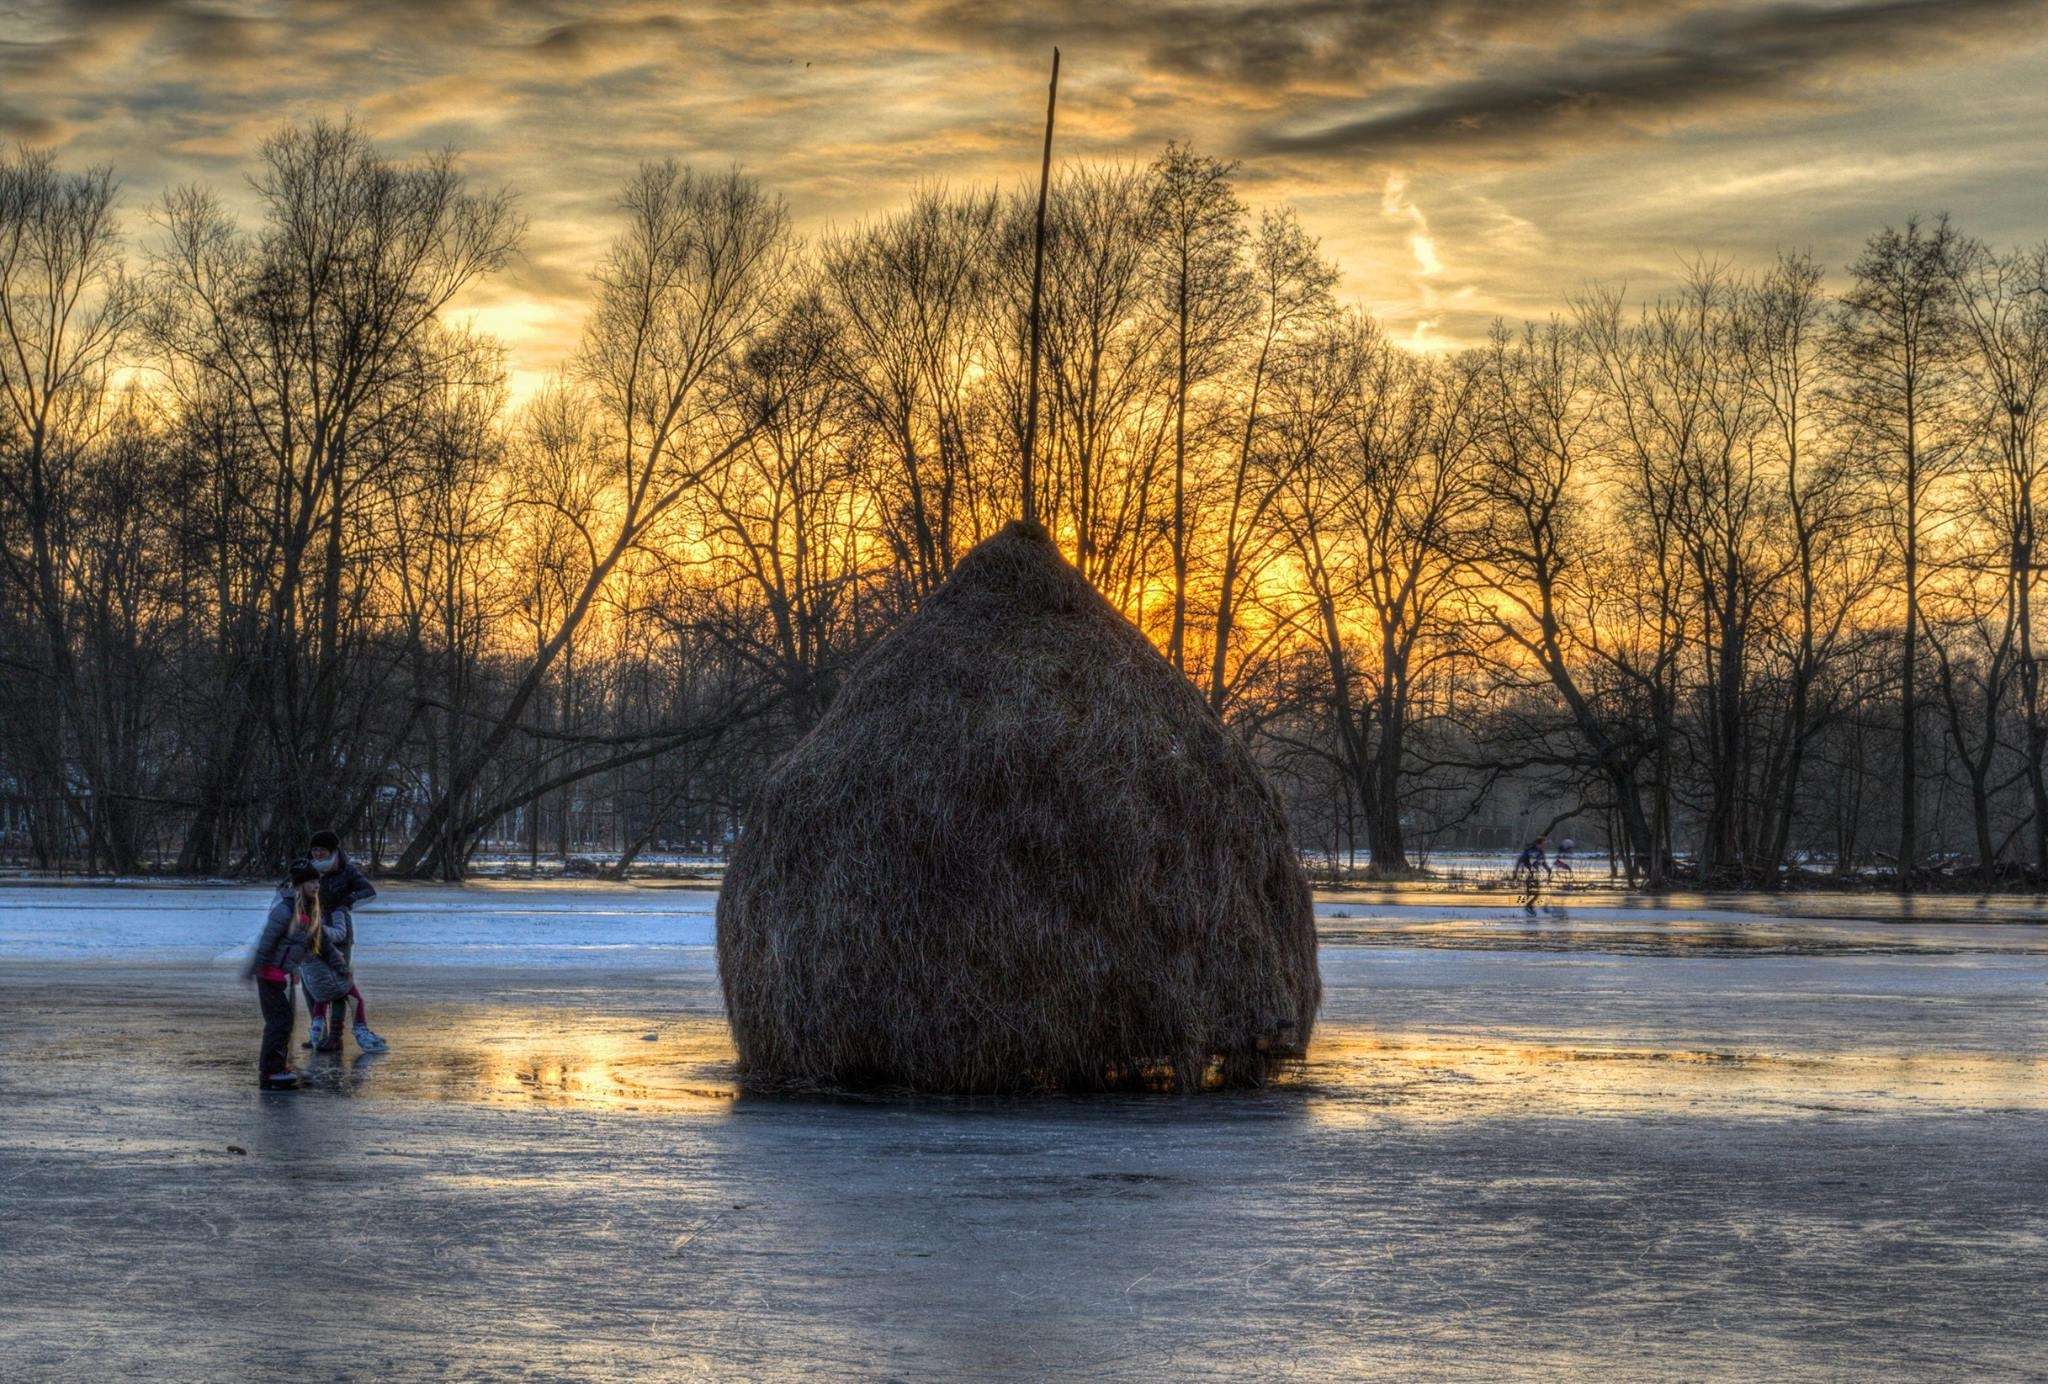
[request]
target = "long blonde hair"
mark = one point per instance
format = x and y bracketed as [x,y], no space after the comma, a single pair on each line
[310,911]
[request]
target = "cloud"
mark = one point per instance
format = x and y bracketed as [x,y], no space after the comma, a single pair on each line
[1360,112]
[1433,289]
[1272,47]
[1396,205]
[1701,65]
[591,44]
[27,126]
[196,30]
[96,11]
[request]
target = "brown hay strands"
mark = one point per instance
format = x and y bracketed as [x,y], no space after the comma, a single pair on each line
[1019,853]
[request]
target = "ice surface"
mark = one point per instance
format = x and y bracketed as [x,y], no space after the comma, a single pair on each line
[520,924]
[1622,1139]
[414,925]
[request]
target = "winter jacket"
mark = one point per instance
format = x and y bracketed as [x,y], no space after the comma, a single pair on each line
[273,945]
[344,886]
[341,889]
[276,946]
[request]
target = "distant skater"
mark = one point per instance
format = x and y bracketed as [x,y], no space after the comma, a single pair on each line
[342,887]
[1534,857]
[1563,864]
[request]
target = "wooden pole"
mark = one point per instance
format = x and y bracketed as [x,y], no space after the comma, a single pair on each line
[1052,97]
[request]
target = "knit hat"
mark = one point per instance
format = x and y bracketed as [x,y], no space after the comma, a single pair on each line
[303,872]
[325,841]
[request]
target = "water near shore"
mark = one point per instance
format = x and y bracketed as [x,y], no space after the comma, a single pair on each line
[1731,1137]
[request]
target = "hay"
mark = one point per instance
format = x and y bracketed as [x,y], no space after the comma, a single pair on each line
[1018,853]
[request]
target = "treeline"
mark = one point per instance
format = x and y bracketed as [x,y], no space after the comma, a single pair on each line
[1733,580]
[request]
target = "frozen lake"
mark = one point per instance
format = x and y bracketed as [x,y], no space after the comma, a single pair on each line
[1730,1137]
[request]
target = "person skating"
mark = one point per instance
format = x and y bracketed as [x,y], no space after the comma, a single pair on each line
[1534,857]
[270,966]
[342,887]
[1563,864]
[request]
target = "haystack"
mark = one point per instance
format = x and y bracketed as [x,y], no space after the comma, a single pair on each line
[1018,853]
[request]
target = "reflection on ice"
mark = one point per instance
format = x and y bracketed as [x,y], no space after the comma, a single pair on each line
[1365,1077]
[554,1057]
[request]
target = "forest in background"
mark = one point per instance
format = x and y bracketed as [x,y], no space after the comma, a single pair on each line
[1733,581]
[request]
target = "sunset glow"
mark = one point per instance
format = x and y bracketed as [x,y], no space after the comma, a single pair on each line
[1460,161]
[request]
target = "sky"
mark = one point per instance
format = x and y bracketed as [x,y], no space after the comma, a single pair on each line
[1463,160]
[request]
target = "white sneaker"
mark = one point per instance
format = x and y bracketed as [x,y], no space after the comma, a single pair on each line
[368,1041]
[318,1035]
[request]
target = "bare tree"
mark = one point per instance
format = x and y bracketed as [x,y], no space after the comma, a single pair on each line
[696,277]
[1291,290]
[1780,332]
[1378,517]
[912,295]
[2002,316]
[1198,239]
[1896,355]
[1561,594]
[65,307]
[317,331]
[789,526]
[448,566]
[1686,428]
[1105,415]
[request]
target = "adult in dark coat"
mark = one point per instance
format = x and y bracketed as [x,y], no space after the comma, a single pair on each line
[342,884]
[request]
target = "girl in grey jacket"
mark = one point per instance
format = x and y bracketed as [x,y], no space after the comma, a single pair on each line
[296,941]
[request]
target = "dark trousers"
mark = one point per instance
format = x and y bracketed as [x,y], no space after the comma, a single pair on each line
[274,1056]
